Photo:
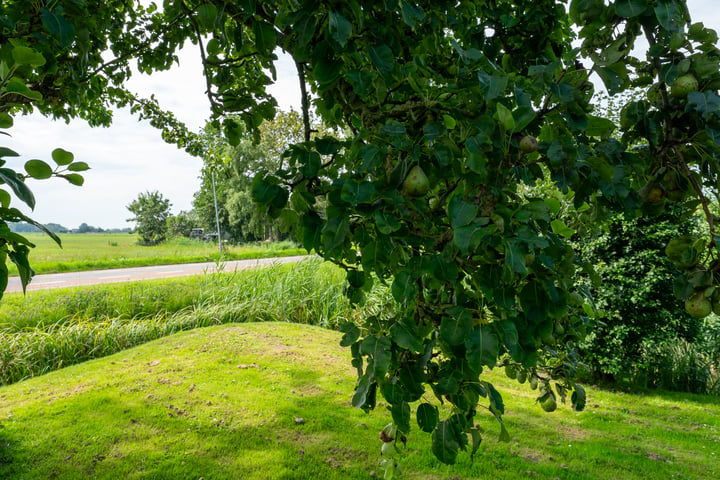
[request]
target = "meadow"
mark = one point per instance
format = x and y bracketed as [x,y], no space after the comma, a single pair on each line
[240,375]
[96,251]
[258,401]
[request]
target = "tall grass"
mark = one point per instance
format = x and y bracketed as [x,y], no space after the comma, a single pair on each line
[97,321]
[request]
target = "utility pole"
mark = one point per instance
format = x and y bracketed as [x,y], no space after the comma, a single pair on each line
[217,217]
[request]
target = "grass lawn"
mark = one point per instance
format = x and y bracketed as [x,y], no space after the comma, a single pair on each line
[95,251]
[271,401]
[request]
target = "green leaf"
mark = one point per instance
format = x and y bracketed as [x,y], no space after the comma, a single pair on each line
[27,56]
[505,117]
[351,334]
[404,333]
[523,115]
[265,37]
[404,288]
[356,193]
[58,27]
[5,199]
[38,169]
[74,178]
[386,222]
[630,8]
[411,14]
[6,152]
[467,238]
[15,85]
[10,177]
[578,398]
[482,348]
[668,15]
[559,228]
[62,157]
[599,127]
[340,28]
[427,417]
[456,326]
[449,122]
[401,416]
[6,121]
[206,15]
[445,444]
[378,351]
[461,211]
[78,167]
[19,257]
[383,58]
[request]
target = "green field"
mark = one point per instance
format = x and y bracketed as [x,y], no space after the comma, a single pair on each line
[262,401]
[95,251]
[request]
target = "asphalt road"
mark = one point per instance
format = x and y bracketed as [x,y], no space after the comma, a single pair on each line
[73,279]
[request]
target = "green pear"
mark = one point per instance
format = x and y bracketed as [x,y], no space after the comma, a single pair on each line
[416,184]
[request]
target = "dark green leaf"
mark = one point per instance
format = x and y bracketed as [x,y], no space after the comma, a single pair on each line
[455,327]
[383,58]
[378,351]
[404,333]
[630,8]
[427,417]
[340,28]
[6,152]
[482,347]
[411,14]
[461,211]
[58,27]
[5,199]
[265,37]
[401,416]
[393,391]
[10,177]
[445,444]
[668,15]
[19,257]
[351,334]
[404,288]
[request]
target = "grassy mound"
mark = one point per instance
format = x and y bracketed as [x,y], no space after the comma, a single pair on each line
[271,401]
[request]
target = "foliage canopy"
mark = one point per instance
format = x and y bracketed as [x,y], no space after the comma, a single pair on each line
[454,95]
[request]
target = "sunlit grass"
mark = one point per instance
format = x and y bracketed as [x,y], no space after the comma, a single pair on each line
[95,251]
[271,401]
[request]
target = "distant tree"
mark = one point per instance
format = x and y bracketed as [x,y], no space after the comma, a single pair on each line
[181,225]
[57,228]
[151,212]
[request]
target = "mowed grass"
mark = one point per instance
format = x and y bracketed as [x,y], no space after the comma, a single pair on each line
[260,401]
[96,251]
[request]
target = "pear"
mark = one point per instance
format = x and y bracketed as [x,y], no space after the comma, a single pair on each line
[528,144]
[683,86]
[698,306]
[416,184]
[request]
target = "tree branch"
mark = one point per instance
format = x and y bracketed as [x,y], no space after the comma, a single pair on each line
[304,100]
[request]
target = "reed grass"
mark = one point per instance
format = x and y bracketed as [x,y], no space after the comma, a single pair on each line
[48,330]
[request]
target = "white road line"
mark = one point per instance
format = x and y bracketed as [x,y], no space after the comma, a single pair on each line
[113,276]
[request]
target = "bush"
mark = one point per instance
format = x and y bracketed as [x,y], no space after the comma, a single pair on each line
[645,327]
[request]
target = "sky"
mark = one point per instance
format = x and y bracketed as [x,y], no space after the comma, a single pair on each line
[130,157]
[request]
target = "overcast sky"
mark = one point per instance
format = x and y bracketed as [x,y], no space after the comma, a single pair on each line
[130,157]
